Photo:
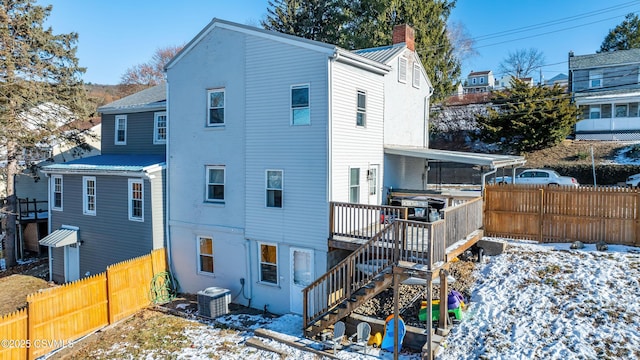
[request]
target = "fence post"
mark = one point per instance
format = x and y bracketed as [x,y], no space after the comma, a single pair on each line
[541,223]
[637,219]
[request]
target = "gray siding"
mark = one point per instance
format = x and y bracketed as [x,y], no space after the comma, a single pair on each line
[139,135]
[109,236]
[272,143]
[613,78]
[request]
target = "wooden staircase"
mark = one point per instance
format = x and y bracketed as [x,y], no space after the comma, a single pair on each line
[345,287]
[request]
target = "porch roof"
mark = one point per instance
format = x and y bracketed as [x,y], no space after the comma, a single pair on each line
[492,160]
[59,238]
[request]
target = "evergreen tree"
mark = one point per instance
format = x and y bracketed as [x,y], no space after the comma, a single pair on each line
[39,85]
[624,36]
[525,118]
[360,24]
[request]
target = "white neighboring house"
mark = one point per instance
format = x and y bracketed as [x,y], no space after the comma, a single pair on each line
[265,130]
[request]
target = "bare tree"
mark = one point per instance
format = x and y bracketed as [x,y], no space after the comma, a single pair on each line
[521,63]
[463,43]
[147,74]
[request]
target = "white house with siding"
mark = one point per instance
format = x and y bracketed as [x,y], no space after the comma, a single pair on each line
[265,130]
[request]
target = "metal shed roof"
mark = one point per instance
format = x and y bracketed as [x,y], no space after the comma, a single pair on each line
[492,160]
[60,238]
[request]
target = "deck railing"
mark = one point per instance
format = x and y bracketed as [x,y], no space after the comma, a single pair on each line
[361,221]
[462,220]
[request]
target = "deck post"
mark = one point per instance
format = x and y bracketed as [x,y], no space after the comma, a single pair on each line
[444,305]
[429,354]
[541,212]
[396,300]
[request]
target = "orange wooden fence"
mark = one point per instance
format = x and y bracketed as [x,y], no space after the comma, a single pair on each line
[13,336]
[54,317]
[563,214]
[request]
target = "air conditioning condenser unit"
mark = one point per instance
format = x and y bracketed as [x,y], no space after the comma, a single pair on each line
[213,302]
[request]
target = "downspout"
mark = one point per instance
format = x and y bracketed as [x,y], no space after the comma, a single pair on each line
[329,187]
[167,197]
[49,224]
[484,177]
[247,282]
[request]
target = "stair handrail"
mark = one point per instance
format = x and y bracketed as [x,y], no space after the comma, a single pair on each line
[356,279]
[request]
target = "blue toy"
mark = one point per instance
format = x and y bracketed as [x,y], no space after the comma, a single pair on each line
[387,341]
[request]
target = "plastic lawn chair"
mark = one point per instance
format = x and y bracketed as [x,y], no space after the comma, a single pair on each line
[363,331]
[338,334]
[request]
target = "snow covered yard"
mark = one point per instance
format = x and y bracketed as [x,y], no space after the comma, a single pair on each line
[533,301]
[549,302]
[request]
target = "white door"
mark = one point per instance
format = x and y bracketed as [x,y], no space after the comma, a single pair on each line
[71,262]
[374,184]
[301,275]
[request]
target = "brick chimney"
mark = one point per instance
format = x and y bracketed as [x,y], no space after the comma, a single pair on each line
[404,34]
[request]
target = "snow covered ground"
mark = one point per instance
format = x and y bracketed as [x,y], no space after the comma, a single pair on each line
[533,301]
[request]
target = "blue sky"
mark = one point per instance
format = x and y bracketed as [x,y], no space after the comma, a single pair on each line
[117,34]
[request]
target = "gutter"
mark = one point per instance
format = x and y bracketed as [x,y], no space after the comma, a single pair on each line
[360,62]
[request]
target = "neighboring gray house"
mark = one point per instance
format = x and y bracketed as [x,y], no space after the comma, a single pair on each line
[109,208]
[479,82]
[606,88]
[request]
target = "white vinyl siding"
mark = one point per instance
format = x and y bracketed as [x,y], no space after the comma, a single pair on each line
[402,69]
[274,184]
[361,108]
[120,130]
[216,107]
[160,128]
[268,263]
[136,200]
[416,75]
[215,178]
[89,195]
[205,255]
[56,192]
[300,108]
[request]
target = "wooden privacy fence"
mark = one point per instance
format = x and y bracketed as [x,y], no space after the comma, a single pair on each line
[563,214]
[57,316]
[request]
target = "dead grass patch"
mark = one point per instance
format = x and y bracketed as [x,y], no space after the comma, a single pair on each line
[14,290]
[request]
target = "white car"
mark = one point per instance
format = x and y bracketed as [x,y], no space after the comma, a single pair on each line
[633,180]
[545,177]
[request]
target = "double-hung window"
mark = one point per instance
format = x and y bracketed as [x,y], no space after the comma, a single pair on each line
[361,111]
[402,69]
[416,75]
[354,185]
[160,128]
[120,130]
[136,200]
[621,110]
[594,112]
[215,101]
[595,79]
[205,255]
[215,184]
[300,114]
[56,190]
[268,263]
[274,188]
[89,195]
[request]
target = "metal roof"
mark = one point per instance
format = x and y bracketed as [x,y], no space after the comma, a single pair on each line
[604,59]
[492,160]
[149,99]
[128,163]
[381,54]
[60,238]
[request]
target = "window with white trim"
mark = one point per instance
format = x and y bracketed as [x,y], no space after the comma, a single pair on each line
[416,75]
[595,79]
[361,108]
[136,200]
[594,112]
[160,128]
[481,80]
[274,188]
[215,104]
[372,177]
[354,185]
[621,110]
[402,69]
[89,195]
[56,192]
[120,130]
[215,184]
[268,263]
[205,255]
[300,113]
[473,81]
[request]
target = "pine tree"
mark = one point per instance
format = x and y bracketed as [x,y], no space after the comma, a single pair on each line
[40,84]
[624,36]
[525,118]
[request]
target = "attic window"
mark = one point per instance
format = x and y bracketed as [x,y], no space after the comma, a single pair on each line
[416,75]
[595,79]
[402,69]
